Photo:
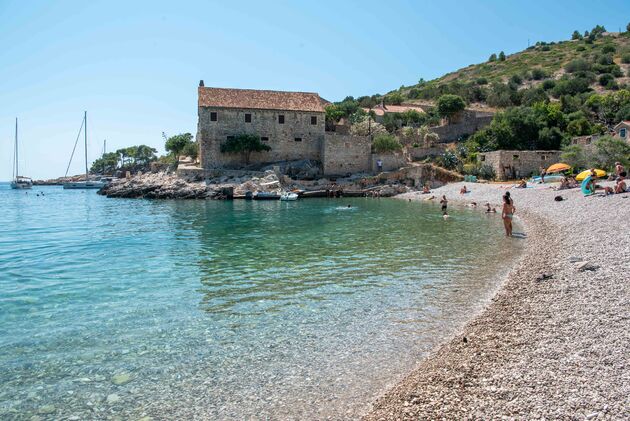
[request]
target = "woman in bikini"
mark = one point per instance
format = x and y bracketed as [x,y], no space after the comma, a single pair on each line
[507,214]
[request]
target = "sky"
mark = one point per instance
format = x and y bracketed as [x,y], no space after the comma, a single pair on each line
[134,66]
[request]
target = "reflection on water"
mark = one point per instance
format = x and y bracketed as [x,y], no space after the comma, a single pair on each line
[226,310]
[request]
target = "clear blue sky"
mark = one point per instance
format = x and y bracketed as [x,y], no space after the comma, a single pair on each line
[134,66]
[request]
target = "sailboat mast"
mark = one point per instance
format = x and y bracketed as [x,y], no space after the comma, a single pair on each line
[86,152]
[104,151]
[17,171]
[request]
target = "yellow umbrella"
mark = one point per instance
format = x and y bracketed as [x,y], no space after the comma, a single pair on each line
[558,167]
[581,176]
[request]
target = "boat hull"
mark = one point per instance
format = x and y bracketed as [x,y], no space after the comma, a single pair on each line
[83,185]
[21,186]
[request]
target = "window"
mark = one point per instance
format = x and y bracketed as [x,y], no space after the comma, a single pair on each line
[281,119]
[622,133]
[483,158]
[313,119]
[298,139]
[515,157]
[248,118]
[213,116]
[264,139]
[543,157]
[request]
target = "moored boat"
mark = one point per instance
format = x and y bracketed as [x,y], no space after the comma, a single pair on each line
[19,182]
[87,184]
[263,195]
[288,196]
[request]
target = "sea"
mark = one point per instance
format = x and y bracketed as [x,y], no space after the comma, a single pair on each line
[228,310]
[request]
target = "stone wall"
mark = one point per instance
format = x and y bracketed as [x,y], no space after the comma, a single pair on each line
[391,161]
[264,123]
[467,125]
[345,154]
[420,153]
[518,164]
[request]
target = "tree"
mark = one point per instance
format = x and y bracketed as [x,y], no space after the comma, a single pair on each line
[386,143]
[106,164]
[144,154]
[501,56]
[176,144]
[628,27]
[493,57]
[191,150]
[575,156]
[395,98]
[244,144]
[367,127]
[576,35]
[449,105]
[610,150]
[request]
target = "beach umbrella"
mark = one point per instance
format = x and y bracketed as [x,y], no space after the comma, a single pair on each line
[581,176]
[558,167]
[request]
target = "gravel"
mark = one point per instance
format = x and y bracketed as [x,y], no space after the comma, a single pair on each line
[554,342]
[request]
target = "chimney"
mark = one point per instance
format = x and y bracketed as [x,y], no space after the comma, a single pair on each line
[201,85]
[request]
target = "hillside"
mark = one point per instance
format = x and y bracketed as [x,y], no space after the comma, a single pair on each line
[602,62]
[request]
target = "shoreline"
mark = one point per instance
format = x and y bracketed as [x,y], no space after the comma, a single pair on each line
[542,346]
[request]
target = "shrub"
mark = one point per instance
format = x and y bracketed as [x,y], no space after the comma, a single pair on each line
[395,98]
[577,65]
[625,58]
[244,144]
[575,156]
[538,73]
[580,48]
[548,84]
[367,127]
[516,79]
[608,48]
[484,81]
[545,48]
[605,79]
[501,56]
[413,93]
[605,59]
[386,143]
[493,57]
[610,150]
[448,105]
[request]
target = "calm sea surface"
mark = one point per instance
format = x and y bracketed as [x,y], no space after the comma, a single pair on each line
[227,310]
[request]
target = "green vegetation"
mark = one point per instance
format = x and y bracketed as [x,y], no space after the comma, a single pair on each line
[449,105]
[131,158]
[176,144]
[607,151]
[386,143]
[244,144]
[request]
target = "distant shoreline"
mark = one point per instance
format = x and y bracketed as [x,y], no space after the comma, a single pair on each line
[551,341]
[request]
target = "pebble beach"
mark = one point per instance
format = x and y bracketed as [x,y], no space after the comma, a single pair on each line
[554,341]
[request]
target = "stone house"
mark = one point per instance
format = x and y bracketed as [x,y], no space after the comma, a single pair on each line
[518,164]
[622,130]
[291,123]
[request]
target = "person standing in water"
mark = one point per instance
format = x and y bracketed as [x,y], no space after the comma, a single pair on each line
[507,214]
[444,203]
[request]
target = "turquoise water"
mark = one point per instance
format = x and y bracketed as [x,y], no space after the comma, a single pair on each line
[227,310]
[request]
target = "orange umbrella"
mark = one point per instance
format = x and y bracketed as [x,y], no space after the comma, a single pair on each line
[558,167]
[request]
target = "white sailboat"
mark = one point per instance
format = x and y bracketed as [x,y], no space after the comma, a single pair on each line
[87,184]
[19,182]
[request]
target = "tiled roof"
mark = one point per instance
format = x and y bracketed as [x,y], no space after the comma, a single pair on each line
[261,100]
[624,123]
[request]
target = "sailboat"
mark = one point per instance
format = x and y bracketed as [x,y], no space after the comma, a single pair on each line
[87,184]
[19,182]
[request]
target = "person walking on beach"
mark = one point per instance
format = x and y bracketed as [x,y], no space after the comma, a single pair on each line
[543,173]
[379,165]
[507,214]
[444,203]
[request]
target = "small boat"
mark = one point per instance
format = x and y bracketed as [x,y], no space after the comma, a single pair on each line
[288,196]
[19,182]
[90,184]
[263,195]
[87,184]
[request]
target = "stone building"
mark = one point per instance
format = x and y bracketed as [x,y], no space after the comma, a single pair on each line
[518,164]
[291,123]
[622,130]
